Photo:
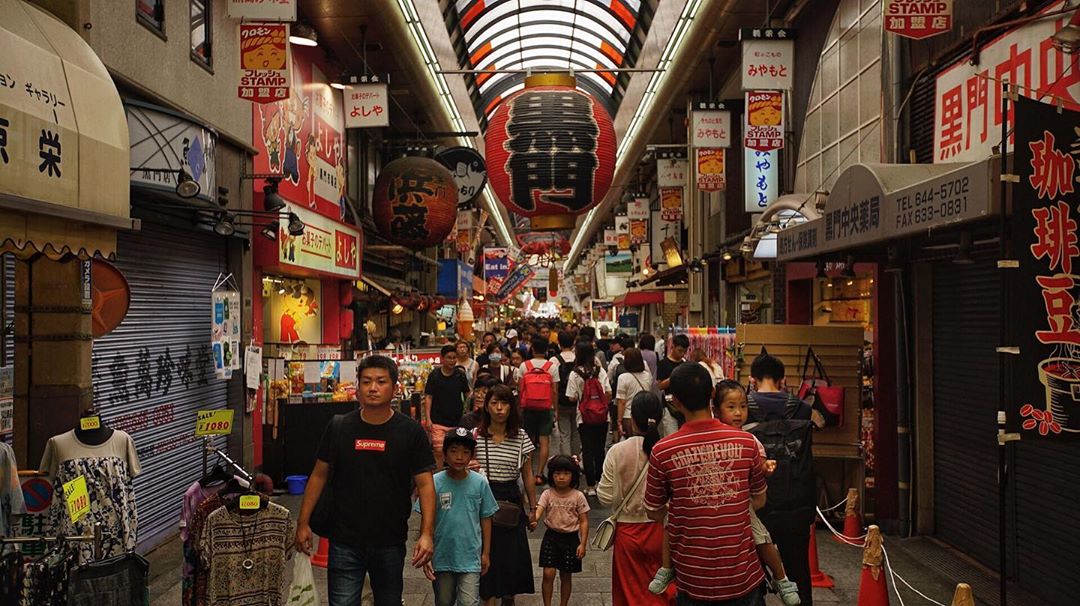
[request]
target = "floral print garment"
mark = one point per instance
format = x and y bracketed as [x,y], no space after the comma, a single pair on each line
[112,503]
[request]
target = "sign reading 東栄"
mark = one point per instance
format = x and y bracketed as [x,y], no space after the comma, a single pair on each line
[366,105]
[768,58]
[918,18]
[264,62]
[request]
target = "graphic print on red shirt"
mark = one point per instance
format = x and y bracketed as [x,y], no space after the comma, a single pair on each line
[705,473]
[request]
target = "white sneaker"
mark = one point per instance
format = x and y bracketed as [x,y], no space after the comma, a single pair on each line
[789,592]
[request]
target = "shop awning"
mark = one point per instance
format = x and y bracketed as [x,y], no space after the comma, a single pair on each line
[639,298]
[63,141]
[872,203]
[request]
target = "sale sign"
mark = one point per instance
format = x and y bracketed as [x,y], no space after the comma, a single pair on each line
[264,62]
[710,169]
[366,106]
[77,498]
[764,128]
[214,423]
[918,18]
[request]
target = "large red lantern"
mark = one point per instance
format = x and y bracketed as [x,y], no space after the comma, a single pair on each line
[415,202]
[550,151]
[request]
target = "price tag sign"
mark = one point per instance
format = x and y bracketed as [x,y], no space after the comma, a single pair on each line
[77,498]
[88,423]
[250,501]
[214,423]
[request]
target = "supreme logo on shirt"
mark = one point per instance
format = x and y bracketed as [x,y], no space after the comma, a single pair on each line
[371,445]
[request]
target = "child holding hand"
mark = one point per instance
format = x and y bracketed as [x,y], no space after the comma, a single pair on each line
[564,510]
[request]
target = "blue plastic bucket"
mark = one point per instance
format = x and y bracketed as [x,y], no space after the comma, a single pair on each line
[296,484]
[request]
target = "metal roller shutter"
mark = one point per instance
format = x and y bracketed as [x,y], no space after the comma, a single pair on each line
[7,298]
[965,335]
[154,371]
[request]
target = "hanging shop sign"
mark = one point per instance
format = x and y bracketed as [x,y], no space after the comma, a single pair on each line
[292,313]
[415,202]
[264,62]
[463,230]
[671,181]
[918,19]
[302,138]
[496,268]
[710,128]
[764,128]
[262,10]
[470,174]
[225,332]
[326,246]
[768,58]
[1045,226]
[860,211]
[663,229]
[551,154]
[639,231]
[710,169]
[366,105]
[622,232]
[967,105]
[163,142]
[761,180]
[610,237]
[637,208]
[518,278]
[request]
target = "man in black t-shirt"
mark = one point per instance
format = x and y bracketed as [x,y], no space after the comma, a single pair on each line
[445,394]
[675,357]
[370,459]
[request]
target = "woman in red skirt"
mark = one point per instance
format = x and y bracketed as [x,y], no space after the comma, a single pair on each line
[638,540]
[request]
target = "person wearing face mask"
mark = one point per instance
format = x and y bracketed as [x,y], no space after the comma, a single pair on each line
[495,365]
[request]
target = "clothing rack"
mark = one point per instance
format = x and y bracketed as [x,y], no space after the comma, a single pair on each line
[211,449]
[96,538]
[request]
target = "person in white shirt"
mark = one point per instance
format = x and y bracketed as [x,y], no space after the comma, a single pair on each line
[636,379]
[593,436]
[466,361]
[567,439]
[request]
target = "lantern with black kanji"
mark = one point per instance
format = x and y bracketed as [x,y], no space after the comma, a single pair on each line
[415,202]
[550,152]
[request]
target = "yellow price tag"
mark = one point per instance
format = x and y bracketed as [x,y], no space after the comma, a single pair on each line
[77,498]
[250,501]
[88,423]
[214,423]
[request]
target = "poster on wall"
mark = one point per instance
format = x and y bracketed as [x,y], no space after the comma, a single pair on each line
[496,268]
[225,332]
[918,19]
[302,139]
[610,237]
[622,232]
[761,186]
[264,62]
[262,10]
[366,105]
[710,169]
[620,262]
[764,128]
[293,313]
[768,58]
[1045,224]
[662,230]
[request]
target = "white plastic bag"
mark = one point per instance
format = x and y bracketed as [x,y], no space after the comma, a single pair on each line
[302,589]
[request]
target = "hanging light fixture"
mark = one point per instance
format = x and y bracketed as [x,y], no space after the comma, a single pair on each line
[186,187]
[272,201]
[296,226]
[270,232]
[1067,39]
[303,34]
[727,256]
[224,226]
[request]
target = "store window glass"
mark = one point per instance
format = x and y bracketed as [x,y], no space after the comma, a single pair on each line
[151,13]
[201,18]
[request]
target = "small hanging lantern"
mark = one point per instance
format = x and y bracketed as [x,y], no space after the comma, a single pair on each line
[550,151]
[415,202]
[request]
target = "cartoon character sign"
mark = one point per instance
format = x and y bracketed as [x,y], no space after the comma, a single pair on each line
[764,130]
[294,315]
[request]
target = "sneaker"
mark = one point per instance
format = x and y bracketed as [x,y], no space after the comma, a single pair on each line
[660,582]
[590,492]
[789,592]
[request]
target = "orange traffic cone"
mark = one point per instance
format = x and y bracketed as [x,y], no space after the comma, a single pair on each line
[852,518]
[963,596]
[322,556]
[873,588]
[817,577]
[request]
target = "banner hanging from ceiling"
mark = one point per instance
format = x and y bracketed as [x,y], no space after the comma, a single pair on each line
[918,19]
[366,105]
[262,10]
[671,180]
[768,58]
[637,208]
[264,62]
[710,169]
[622,232]
[710,128]
[496,268]
[761,184]
[764,128]
[610,237]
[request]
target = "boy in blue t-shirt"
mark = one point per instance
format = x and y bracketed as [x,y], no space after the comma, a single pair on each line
[464,506]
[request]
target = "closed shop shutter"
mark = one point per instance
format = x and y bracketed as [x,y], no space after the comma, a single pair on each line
[154,371]
[965,335]
[7,299]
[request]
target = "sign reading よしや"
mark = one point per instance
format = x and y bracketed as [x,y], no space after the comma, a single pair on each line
[918,18]
[764,128]
[264,62]
[366,106]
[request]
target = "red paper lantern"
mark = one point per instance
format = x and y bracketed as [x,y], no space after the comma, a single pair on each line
[415,202]
[541,242]
[550,152]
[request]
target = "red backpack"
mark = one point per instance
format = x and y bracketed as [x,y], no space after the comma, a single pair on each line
[536,386]
[593,404]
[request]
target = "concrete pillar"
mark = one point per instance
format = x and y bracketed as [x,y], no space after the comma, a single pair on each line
[52,353]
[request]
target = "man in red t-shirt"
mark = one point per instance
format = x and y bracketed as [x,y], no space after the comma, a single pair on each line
[705,477]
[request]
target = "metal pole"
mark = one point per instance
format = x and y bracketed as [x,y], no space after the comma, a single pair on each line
[1003,356]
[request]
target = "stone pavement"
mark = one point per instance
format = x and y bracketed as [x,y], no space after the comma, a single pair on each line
[919,560]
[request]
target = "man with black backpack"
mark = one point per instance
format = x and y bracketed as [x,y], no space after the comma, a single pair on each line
[782,423]
[568,439]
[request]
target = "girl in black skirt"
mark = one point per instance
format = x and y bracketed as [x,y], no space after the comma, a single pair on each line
[565,512]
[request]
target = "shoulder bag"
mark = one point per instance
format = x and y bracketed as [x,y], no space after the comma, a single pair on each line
[509,513]
[322,517]
[818,390]
[604,537]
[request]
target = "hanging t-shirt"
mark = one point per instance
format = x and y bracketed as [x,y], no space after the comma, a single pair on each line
[372,472]
[247,554]
[109,469]
[459,506]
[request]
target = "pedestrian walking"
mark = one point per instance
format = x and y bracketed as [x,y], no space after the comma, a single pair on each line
[567,436]
[635,380]
[370,459]
[638,539]
[588,390]
[538,386]
[564,510]
[445,393]
[465,360]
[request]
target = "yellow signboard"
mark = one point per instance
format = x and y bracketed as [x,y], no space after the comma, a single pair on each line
[214,423]
[88,423]
[77,498]
[250,501]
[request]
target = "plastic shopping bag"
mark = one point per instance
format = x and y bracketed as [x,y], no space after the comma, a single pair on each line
[302,588]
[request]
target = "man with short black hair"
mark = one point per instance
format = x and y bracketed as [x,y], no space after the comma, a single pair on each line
[675,357]
[537,416]
[568,441]
[445,394]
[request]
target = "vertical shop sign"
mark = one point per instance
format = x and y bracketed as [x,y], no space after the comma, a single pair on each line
[366,106]
[517,280]
[1046,200]
[264,62]
[760,186]
[263,10]
[918,19]
[764,128]
[637,208]
[710,128]
[671,180]
[496,268]
[768,58]
[710,169]
[967,104]
[225,332]
[463,231]
[622,232]
[663,229]
[610,237]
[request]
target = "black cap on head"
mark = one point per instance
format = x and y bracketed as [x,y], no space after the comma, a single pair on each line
[461,436]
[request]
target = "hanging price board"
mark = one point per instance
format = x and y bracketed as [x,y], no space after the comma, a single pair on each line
[88,423]
[214,423]
[250,501]
[77,498]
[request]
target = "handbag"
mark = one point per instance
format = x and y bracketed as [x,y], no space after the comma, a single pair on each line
[509,513]
[322,516]
[604,537]
[817,390]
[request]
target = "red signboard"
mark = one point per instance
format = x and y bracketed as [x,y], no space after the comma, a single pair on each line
[264,62]
[764,128]
[918,18]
